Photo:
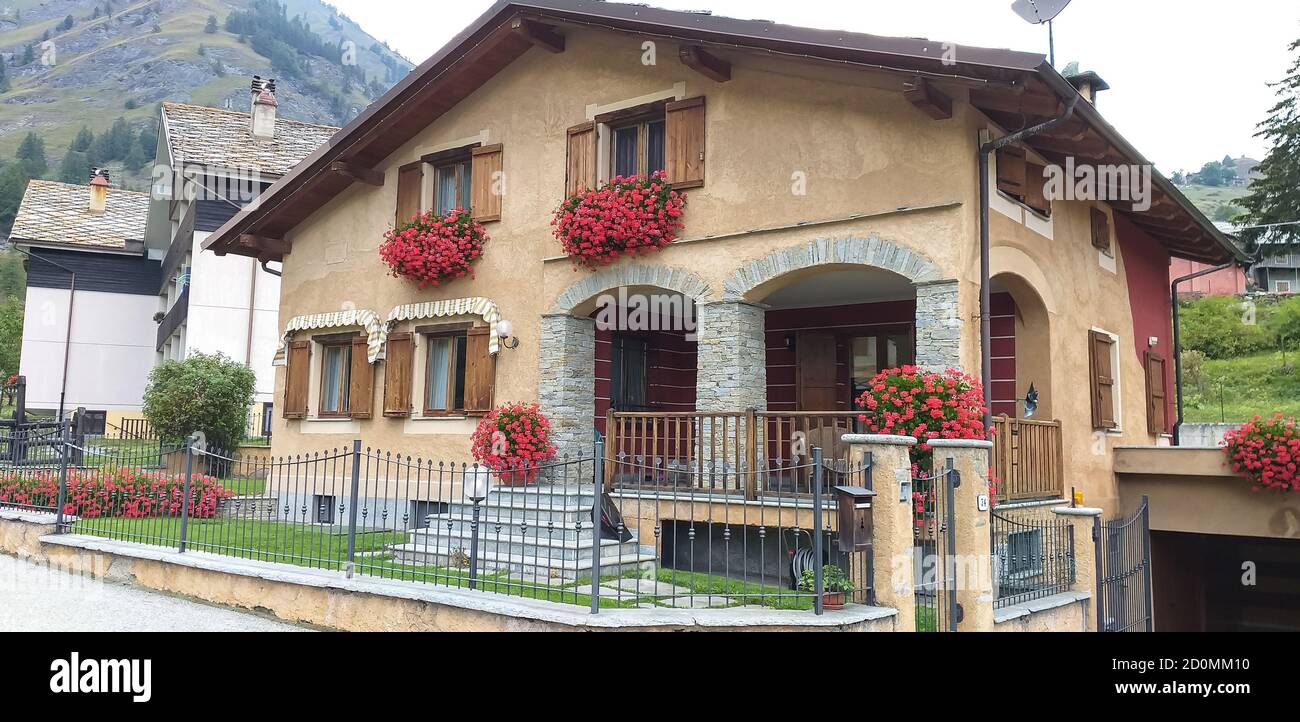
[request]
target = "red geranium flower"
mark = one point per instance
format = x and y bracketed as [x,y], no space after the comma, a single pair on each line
[434,249]
[624,217]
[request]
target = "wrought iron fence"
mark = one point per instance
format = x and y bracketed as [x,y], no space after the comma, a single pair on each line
[549,531]
[1033,556]
[1123,556]
[934,550]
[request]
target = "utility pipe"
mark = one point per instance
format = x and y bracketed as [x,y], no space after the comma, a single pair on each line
[986,330]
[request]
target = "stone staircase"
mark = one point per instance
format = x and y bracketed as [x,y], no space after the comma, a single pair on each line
[539,534]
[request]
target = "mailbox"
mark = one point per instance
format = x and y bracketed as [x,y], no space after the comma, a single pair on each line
[855,517]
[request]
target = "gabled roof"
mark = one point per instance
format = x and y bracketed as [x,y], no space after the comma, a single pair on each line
[58,215]
[224,138]
[1014,89]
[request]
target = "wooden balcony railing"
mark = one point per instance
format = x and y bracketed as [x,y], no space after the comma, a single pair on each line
[1027,459]
[736,452]
[753,453]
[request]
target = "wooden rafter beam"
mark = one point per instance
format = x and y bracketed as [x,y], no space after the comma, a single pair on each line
[928,99]
[1011,102]
[1087,146]
[705,63]
[539,34]
[274,247]
[358,173]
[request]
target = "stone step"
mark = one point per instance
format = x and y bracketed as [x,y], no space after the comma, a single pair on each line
[444,542]
[522,567]
[519,512]
[545,495]
[581,529]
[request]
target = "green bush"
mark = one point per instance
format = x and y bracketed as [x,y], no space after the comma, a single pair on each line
[1224,326]
[1284,322]
[209,394]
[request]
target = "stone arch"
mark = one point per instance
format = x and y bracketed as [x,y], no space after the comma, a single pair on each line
[870,251]
[665,277]
[1034,337]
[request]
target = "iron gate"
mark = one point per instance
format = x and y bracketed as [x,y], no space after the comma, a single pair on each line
[1124,572]
[934,551]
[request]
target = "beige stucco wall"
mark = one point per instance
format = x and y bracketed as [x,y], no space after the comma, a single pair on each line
[1073,617]
[862,148]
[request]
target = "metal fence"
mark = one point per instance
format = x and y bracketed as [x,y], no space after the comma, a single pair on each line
[544,532]
[1123,554]
[1033,556]
[935,550]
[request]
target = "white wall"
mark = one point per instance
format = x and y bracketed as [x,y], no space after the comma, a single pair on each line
[218,320]
[112,351]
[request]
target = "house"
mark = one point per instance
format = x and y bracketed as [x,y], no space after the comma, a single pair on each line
[91,290]
[210,163]
[833,228]
[1277,271]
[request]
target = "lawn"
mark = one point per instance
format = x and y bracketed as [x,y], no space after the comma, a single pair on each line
[1236,389]
[324,547]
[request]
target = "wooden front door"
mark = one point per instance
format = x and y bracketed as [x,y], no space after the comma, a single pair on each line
[815,354]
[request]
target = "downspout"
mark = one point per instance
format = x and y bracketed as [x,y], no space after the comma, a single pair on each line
[1178,341]
[986,326]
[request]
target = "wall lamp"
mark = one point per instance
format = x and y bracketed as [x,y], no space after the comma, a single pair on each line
[505,331]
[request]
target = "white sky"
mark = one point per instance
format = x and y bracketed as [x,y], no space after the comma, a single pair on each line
[1188,77]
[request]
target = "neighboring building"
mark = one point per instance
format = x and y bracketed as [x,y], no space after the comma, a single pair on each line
[101,359]
[832,230]
[210,163]
[1277,272]
[1223,282]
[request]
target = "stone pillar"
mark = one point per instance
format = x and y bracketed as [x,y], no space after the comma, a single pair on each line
[891,469]
[1084,519]
[566,381]
[971,533]
[731,365]
[938,326]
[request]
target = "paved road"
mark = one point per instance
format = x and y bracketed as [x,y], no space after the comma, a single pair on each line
[37,598]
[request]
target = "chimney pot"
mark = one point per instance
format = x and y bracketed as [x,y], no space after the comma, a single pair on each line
[98,190]
[264,108]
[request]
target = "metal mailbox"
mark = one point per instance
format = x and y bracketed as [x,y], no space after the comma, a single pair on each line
[855,517]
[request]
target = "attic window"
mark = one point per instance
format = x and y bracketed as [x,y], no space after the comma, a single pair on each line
[1022,180]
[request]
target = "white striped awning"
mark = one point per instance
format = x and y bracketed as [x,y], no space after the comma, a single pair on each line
[475,306]
[376,330]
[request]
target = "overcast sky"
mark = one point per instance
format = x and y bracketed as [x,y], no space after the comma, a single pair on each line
[1188,77]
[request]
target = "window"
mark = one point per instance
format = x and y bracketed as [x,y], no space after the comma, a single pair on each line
[322,508]
[451,185]
[1281,287]
[1157,393]
[1022,180]
[268,412]
[335,377]
[444,377]
[637,148]
[1103,359]
[872,354]
[628,367]
[1101,231]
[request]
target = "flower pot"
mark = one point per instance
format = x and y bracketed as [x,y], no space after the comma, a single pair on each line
[833,600]
[514,478]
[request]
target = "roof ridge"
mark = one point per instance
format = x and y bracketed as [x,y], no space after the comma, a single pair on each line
[232,111]
[115,189]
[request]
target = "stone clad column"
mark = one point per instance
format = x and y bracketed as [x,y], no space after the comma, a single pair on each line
[566,381]
[938,326]
[971,534]
[731,366]
[891,468]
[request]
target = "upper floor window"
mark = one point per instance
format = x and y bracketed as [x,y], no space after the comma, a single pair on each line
[451,185]
[336,367]
[636,148]
[1022,180]
[444,384]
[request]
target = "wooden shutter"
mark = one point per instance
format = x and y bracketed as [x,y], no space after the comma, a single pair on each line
[580,171]
[297,371]
[361,382]
[410,179]
[684,142]
[1157,392]
[1034,196]
[1100,230]
[398,370]
[1103,380]
[1011,171]
[486,183]
[480,370]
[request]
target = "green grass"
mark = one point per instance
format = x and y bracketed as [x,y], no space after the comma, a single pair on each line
[1236,389]
[926,620]
[1209,198]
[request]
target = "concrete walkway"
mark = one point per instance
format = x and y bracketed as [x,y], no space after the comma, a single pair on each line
[38,598]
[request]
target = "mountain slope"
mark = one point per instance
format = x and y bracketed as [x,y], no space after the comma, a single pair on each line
[120,58]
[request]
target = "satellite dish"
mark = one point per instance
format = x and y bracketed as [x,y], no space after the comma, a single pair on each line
[1039,11]
[1031,401]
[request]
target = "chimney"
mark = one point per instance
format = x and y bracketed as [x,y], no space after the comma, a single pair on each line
[1089,84]
[98,190]
[264,105]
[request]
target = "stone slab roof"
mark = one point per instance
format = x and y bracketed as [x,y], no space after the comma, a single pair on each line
[224,138]
[58,214]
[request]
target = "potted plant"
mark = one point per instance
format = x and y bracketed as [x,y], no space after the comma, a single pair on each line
[835,584]
[1266,451]
[625,217]
[514,440]
[434,249]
